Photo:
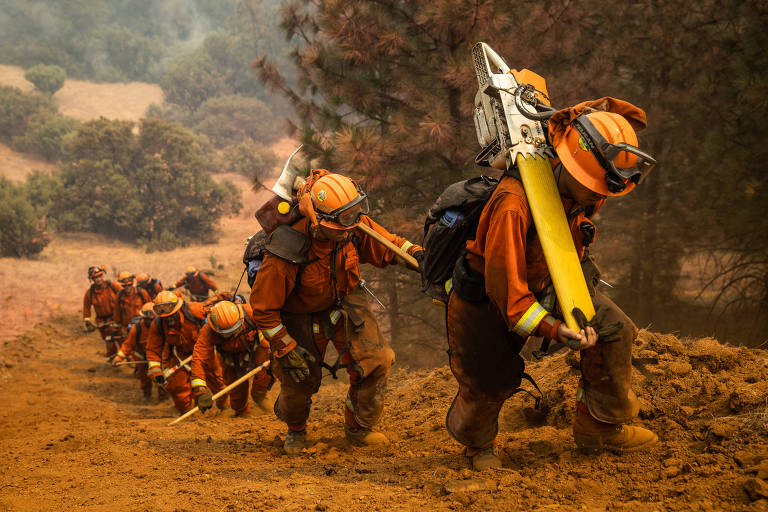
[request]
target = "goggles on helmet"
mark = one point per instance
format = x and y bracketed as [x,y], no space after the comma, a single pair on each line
[349,214]
[127,280]
[229,331]
[163,308]
[605,153]
[94,272]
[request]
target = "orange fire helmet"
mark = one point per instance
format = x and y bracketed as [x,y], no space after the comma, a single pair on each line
[167,303]
[143,277]
[96,271]
[336,201]
[190,270]
[125,278]
[600,151]
[226,318]
[147,310]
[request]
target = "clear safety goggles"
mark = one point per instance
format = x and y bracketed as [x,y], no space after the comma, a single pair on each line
[163,308]
[349,214]
[126,281]
[229,331]
[605,153]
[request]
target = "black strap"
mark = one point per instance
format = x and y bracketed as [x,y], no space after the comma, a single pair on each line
[537,399]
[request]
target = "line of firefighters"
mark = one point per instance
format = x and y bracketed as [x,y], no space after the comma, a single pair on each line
[307,293]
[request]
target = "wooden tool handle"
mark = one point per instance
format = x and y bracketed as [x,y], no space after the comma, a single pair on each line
[223,391]
[409,260]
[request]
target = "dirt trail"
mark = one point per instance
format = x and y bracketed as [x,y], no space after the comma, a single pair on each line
[75,435]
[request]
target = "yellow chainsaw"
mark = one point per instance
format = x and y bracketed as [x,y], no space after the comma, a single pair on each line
[510,107]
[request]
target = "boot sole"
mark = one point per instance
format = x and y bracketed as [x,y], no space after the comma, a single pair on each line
[592,448]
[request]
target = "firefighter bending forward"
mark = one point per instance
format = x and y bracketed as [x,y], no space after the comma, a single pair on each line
[230,331]
[307,294]
[172,337]
[495,304]
[134,348]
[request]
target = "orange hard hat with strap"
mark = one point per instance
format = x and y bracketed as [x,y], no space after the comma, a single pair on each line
[125,277]
[226,318]
[332,200]
[167,303]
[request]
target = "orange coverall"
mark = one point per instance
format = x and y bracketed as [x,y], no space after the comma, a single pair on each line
[177,344]
[198,285]
[153,287]
[485,337]
[135,348]
[103,300]
[128,304]
[327,308]
[240,354]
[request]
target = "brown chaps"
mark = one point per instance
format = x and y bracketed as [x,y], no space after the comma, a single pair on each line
[365,354]
[484,358]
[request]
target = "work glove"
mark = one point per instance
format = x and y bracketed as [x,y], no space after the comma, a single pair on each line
[156,373]
[606,333]
[294,366]
[119,358]
[419,256]
[204,398]
[89,325]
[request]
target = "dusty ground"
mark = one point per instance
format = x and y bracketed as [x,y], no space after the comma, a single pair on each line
[75,435]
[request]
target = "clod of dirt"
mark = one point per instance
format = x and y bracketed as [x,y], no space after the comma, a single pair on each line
[756,489]
[473,485]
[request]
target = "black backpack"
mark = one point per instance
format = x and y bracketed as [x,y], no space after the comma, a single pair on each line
[451,221]
[254,255]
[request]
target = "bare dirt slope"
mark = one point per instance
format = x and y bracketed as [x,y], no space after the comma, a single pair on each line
[74,435]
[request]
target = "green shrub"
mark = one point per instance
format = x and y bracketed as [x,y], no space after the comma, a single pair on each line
[149,188]
[46,79]
[18,108]
[251,159]
[24,230]
[231,119]
[45,135]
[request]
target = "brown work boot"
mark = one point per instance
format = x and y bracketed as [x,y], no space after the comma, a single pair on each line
[483,459]
[244,413]
[162,394]
[222,402]
[295,441]
[592,435]
[361,436]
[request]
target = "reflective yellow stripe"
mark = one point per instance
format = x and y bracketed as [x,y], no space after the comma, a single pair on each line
[530,320]
[315,328]
[196,383]
[406,245]
[261,336]
[580,396]
[269,333]
[335,315]
[449,286]
[120,353]
[152,364]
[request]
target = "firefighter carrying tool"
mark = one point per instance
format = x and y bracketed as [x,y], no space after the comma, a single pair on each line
[524,243]
[231,332]
[306,295]
[102,295]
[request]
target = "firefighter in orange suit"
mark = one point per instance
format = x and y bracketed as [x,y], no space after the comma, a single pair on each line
[171,340]
[231,332]
[198,283]
[501,285]
[134,348]
[308,294]
[102,296]
[129,300]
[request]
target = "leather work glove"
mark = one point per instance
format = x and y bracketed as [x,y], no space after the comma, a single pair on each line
[89,325]
[156,373]
[119,358]
[419,257]
[294,366]
[606,333]
[204,398]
